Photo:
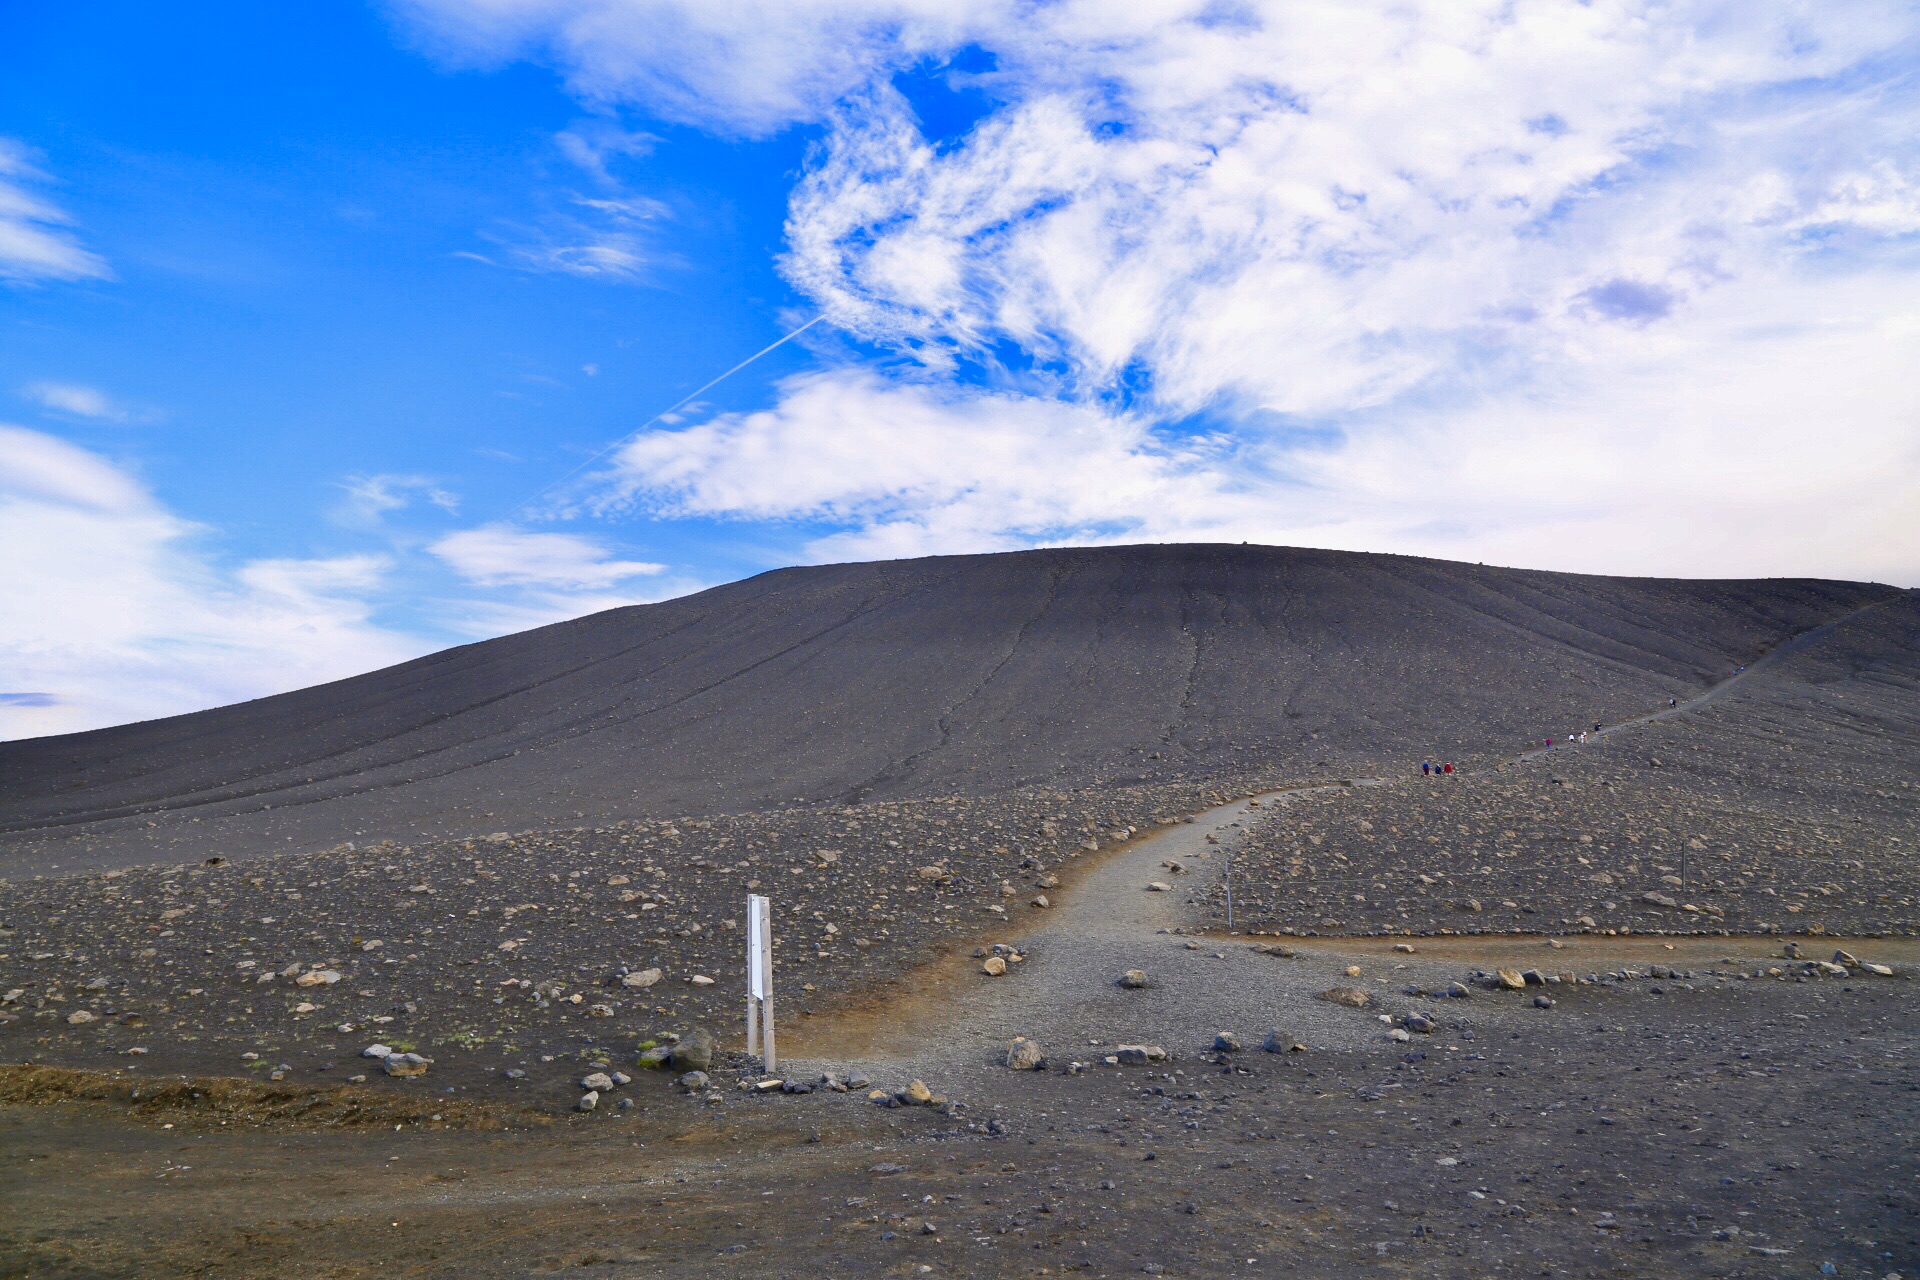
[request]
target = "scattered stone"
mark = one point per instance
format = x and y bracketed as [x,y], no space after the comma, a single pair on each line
[1159,886]
[598,1082]
[1400,1034]
[79,1017]
[1884,971]
[693,1053]
[1278,1043]
[317,978]
[1137,1055]
[1134,979]
[916,1094]
[588,1101]
[376,1051]
[1405,948]
[657,1058]
[641,980]
[1660,900]
[1025,1055]
[994,966]
[1543,1002]
[1419,1024]
[772,1084]
[701,980]
[1226,1042]
[693,1082]
[1352,997]
[1512,979]
[1353,971]
[514,1073]
[406,1066]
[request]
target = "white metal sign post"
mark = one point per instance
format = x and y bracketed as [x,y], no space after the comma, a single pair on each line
[760,978]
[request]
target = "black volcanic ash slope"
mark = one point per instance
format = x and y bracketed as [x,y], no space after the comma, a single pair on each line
[962,675]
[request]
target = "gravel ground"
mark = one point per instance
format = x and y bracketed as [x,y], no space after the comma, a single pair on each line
[1789,805]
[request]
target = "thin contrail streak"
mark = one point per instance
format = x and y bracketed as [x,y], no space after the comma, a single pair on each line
[682,401]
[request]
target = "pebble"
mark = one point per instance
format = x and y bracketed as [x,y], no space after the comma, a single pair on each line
[1543,1002]
[1352,997]
[588,1101]
[1135,1055]
[598,1082]
[376,1051]
[1226,1042]
[994,966]
[641,980]
[1025,1055]
[406,1066]
[693,1081]
[1134,979]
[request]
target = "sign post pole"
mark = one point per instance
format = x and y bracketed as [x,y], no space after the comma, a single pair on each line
[760,979]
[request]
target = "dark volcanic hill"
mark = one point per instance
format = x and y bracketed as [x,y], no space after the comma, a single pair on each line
[944,676]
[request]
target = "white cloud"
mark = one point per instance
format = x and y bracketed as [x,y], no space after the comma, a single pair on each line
[112,615]
[596,238]
[1615,284]
[498,555]
[370,498]
[590,144]
[75,400]
[35,243]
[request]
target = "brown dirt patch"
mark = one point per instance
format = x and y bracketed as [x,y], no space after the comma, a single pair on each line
[221,1099]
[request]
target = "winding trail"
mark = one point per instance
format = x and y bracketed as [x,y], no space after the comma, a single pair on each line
[956,1024]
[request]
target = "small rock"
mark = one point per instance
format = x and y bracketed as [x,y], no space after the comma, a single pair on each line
[79,1017]
[1419,1024]
[407,1065]
[1352,997]
[1041,901]
[1134,979]
[514,1073]
[1278,1043]
[641,980]
[1138,1055]
[693,1082]
[1353,971]
[1400,1034]
[1512,979]
[1659,899]
[772,1084]
[701,980]
[1885,971]
[1842,957]
[598,1082]
[1226,1042]
[588,1101]
[1404,948]
[1025,1055]
[916,1094]
[621,1077]
[1159,886]
[376,1051]
[994,966]
[317,978]
[694,1052]
[1543,1002]
[656,1058]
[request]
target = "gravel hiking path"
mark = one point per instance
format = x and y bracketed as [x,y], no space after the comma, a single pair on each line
[956,1025]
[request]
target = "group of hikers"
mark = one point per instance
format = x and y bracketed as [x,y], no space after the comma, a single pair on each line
[1428,767]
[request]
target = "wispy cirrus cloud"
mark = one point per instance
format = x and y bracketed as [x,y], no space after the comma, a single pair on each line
[76,400]
[37,241]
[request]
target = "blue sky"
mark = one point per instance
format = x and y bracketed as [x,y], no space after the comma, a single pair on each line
[314,318]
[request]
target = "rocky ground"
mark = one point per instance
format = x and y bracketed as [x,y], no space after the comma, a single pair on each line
[1790,805]
[530,949]
[1717,1128]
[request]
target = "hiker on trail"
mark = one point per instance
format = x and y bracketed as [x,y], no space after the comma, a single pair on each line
[1425,768]
[1673,702]
[1447,768]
